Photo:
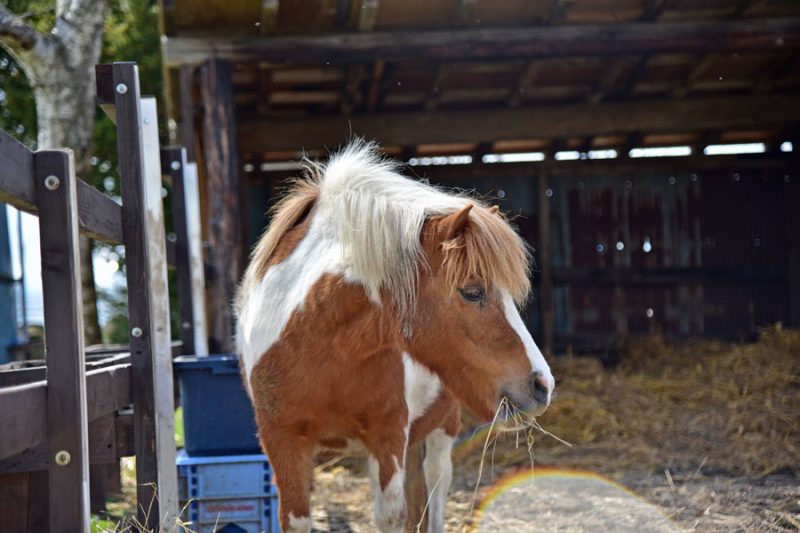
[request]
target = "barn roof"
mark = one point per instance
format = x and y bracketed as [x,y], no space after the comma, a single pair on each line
[476,76]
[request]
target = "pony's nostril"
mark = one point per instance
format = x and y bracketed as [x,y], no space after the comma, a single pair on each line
[539,389]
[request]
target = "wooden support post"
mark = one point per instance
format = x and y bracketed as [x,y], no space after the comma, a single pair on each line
[148,300]
[187,109]
[189,258]
[543,262]
[67,419]
[416,491]
[194,230]
[223,187]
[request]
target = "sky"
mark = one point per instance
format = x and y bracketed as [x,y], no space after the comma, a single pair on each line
[106,270]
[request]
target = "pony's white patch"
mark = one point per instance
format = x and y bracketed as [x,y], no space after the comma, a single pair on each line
[299,524]
[421,388]
[284,289]
[438,467]
[538,363]
[390,503]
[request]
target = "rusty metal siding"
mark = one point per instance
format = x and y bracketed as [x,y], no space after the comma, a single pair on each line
[682,254]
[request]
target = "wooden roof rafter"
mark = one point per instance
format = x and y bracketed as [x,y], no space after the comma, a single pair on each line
[506,43]
[573,120]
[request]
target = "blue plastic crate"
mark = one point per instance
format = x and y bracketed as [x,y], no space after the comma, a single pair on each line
[218,417]
[229,491]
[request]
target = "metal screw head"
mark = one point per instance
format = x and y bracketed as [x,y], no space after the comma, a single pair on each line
[121,88]
[52,182]
[175,165]
[63,458]
[146,121]
[136,332]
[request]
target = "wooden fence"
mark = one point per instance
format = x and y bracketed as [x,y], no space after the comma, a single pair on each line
[79,409]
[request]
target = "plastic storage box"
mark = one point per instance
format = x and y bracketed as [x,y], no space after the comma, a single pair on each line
[218,417]
[227,493]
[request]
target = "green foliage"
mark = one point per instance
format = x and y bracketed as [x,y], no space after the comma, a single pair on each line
[17,108]
[131,34]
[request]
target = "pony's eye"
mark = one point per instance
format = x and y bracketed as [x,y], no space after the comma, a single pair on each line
[472,294]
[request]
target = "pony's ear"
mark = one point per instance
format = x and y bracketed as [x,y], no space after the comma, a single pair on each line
[453,225]
[494,209]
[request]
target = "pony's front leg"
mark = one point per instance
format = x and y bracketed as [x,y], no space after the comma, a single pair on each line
[387,475]
[292,460]
[438,467]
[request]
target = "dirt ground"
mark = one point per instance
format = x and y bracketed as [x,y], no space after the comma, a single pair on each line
[694,436]
[697,436]
[693,502]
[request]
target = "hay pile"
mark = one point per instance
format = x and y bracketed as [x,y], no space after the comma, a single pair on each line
[729,408]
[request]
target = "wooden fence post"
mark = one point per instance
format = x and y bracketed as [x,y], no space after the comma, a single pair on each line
[148,300]
[67,420]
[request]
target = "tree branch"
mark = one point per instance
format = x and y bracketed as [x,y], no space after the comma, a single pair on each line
[16,33]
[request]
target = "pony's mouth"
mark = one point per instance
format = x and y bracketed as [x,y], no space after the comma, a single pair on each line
[515,415]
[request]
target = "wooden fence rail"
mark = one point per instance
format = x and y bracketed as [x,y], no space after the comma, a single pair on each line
[62,417]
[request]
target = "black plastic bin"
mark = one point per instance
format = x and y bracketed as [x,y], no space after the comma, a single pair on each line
[218,417]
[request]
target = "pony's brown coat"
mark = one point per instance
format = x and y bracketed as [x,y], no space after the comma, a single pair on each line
[337,373]
[346,361]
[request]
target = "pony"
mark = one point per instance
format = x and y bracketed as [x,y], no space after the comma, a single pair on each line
[372,308]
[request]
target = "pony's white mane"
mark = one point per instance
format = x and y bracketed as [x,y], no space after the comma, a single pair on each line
[377,215]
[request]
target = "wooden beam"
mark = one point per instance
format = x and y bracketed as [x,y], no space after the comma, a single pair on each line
[148,304]
[352,96]
[606,168]
[777,68]
[652,10]
[574,120]
[523,83]
[187,76]
[99,216]
[608,80]
[793,230]
[506,43]
[697,69]
[558,10]
[375,85]
[368,15]
[67,423]
[23,415]
[264,89]
[223,186]
[269,16]
[464,12]
[435,92]
[173,163]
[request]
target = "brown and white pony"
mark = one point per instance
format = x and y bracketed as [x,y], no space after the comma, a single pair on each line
[371,307]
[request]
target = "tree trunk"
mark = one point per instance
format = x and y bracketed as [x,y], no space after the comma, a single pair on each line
[61,72]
